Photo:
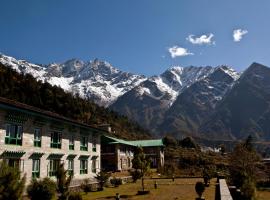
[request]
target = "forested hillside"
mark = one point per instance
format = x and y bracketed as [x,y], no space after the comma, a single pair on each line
[26,89]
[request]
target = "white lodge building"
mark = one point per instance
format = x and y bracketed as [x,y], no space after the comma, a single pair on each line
[37,141]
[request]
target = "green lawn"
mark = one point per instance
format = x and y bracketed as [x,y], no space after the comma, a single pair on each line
[181,189]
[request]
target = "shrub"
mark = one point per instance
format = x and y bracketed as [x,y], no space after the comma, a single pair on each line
[116,181]
[85,186]
[102,177]
[11,183]
[75,196]
[208,173]
[199,187]
[136,174]
[248,189]
[41,189]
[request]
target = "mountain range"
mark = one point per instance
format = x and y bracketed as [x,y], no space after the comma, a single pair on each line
[208,102]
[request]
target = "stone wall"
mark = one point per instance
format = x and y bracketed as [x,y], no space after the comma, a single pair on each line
[47,126]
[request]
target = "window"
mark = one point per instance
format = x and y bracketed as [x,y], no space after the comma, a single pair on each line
[83,166]
[84,143]
[13,163]
[71,143]
[70,166]
[36,168]
[56,140]
[37,137]
[94,165]
[94,143]
[53,167]
[13,134]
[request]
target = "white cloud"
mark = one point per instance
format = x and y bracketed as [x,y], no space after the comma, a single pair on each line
[203,39]
[238,34]
[176,51]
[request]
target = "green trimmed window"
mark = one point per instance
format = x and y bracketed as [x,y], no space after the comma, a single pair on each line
[13,134]
[56,138]
[84,143]
[71,143]
[36,168]
[53,167]
[83,166]
[94,165]
[70,166]
[94,143]
[37,137]
[16,163]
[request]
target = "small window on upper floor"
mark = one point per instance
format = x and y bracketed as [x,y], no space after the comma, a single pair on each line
[84,143]
[71,142]
[94,143]
[56,139]
[37,137]
[14,134]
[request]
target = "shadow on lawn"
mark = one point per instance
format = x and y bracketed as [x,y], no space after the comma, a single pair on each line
[121,196]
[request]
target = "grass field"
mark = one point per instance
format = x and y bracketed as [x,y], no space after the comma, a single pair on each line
[263,194]
[180,189]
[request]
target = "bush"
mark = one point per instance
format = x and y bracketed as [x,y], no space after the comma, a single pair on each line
[136,174]
[116,181]
[248,189]
[75,196]
[199,187]
[11,183]
[85,186]
[102,177]
[41,189]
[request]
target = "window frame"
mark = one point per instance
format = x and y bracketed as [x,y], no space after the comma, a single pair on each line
[71,145]
[83,166]
[35,172]
[54,144]
[84,143]
[94,143]
[53,167]
[94,165]
[37,142]
[70,168]
[15,138]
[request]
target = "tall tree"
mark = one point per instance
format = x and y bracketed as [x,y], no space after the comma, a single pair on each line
[63,182]
[244,162]
[141,163]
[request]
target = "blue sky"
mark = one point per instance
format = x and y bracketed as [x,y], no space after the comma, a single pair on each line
[136,36]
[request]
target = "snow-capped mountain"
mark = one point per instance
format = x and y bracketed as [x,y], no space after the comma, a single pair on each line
[177,101]
[97,80]
[197,102]
[149,102]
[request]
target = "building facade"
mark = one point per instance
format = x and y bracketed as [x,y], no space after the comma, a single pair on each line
[117,154]
[37,141]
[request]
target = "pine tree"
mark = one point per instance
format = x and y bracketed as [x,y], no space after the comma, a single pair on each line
[11,182]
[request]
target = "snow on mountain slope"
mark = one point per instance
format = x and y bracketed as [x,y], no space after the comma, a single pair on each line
[97,80]
[172,82]
[150,101]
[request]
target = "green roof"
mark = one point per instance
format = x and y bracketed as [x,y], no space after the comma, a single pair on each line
[147,143]
[143,143]
[112,140]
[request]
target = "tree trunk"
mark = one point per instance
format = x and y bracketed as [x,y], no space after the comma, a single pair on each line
[143,183]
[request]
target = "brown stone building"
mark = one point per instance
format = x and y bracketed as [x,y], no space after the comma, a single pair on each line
[117,154]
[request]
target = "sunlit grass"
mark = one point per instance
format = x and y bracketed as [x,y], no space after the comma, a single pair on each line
[181,189]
